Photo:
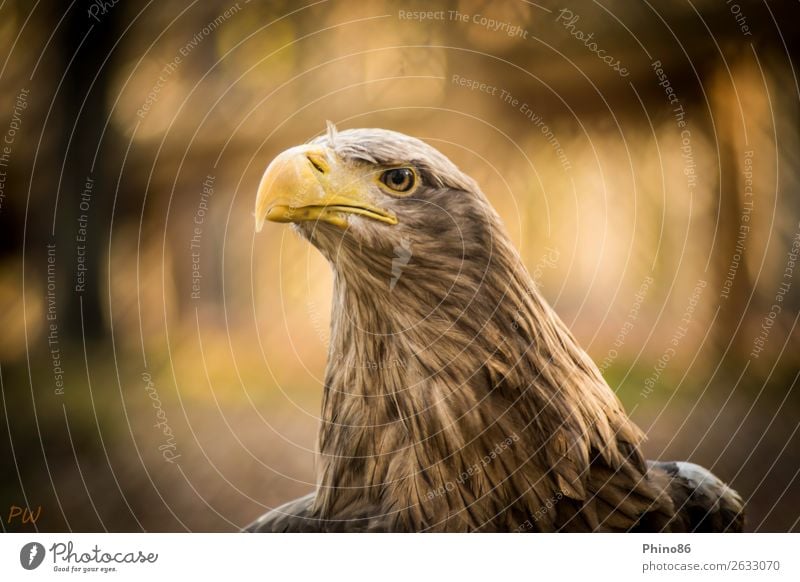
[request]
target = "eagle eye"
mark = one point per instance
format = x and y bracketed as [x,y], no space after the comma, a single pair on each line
[399,179]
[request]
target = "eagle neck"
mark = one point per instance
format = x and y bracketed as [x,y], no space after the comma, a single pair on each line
[414,401]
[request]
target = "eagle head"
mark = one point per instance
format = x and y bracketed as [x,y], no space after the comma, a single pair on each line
[372,200]
[494,410]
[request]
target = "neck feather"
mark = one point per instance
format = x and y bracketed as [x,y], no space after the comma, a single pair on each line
[454,383]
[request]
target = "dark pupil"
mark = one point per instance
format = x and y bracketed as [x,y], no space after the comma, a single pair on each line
[400,179]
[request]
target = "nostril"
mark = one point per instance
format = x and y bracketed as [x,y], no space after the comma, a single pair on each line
[318,163]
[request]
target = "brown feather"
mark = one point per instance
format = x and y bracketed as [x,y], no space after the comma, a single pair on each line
[496,420]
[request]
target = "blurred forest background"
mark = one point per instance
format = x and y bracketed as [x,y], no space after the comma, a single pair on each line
[161,365]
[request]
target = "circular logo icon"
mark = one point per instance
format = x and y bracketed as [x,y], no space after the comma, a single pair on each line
[31,555]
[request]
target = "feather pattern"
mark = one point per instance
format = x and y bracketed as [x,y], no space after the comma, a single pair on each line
[493,418]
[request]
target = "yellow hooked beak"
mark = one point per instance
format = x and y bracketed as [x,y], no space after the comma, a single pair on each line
[309,182]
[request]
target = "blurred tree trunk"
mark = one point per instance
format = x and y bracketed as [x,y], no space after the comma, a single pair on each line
[91,164]
[732,247]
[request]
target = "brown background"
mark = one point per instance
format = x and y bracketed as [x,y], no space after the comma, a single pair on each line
[237,372]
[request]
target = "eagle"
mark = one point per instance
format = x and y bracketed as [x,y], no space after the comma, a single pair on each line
[455,399]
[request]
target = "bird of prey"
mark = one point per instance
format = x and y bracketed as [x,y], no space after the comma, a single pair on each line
[455,399]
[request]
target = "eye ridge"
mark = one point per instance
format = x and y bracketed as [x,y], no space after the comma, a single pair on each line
[399,179]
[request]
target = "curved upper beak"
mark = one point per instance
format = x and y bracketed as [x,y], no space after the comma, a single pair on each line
[309,183]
